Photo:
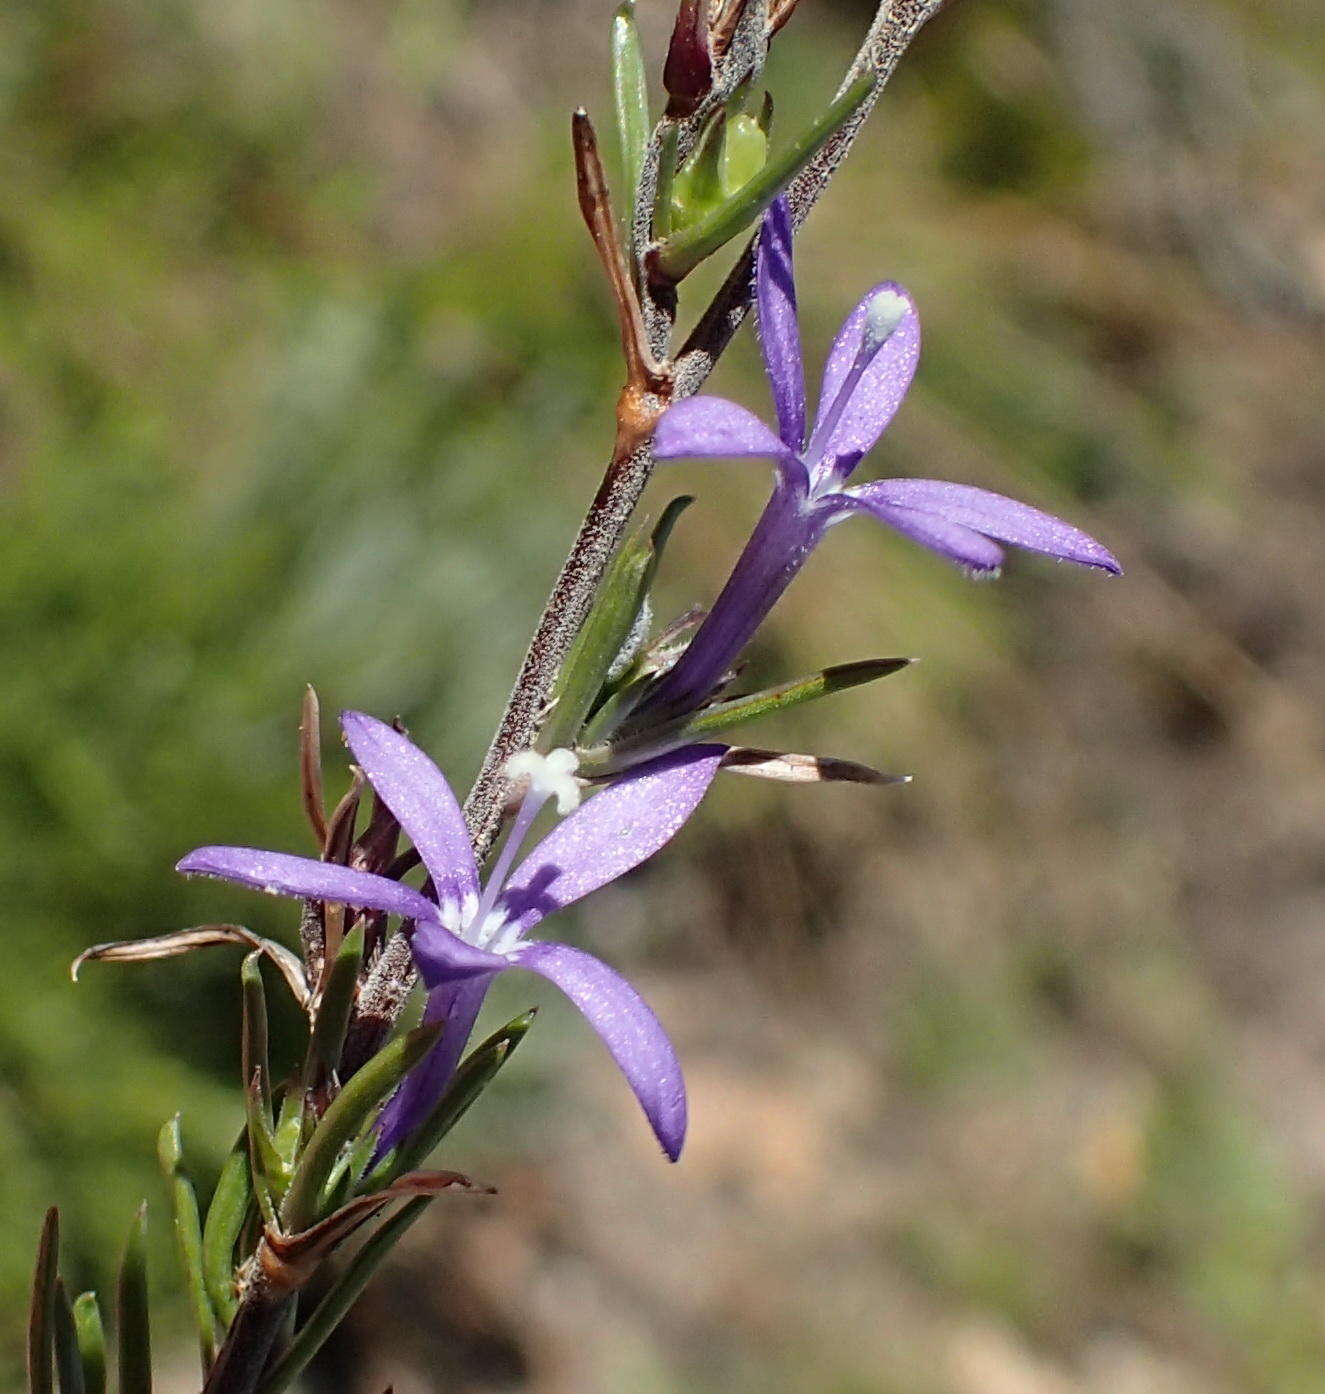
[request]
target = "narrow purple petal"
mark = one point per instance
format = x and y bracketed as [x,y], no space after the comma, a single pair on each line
[456,1004]
[712,428]
[416,791]
[629,1029]
[610,833]
[995,516]
[879,392]
[953,541]
[280,874]
[779,329]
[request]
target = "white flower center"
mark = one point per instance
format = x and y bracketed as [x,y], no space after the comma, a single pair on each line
[550,776]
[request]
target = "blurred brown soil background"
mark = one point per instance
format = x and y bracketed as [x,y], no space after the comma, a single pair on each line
[1011,1081]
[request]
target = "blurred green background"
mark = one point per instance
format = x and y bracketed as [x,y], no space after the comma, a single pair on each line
[1008,1082]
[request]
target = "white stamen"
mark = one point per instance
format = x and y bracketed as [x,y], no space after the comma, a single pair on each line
[550,776]
[886,311]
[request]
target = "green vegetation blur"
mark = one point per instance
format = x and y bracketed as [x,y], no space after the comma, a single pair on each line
[1011,1080]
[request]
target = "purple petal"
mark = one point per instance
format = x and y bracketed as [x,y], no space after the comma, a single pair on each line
[779,330]
[879,392]
[457,1004]
[610,833]
[712,428]
[994,515]
[416,791]
[280,874]
[629,1029]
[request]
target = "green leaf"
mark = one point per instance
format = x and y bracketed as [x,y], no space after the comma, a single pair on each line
[340,1297]
[265,1165]
[612,620]
[723,715]
[337,1005]
[678,254]
[662,203]
[253,1038]
[188,1237]
[230,1205]
[630,93]
[133,1321]
[68,1360]
[342,1121]
[91,1342]
[471,1079]
[41,1309]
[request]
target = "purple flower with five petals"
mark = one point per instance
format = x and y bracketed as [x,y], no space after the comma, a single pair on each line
[466,933]
[869,370]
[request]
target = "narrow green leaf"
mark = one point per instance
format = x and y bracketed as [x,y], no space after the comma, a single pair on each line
[133,1321]
[265,1166]
[662,202]
[474,1075]
[838,678]
[341,1296]
[661,535]
[253,1039]
[91,1342]
[68,1361]
[41,1309]
[342,1121]
[599,641]
[291,1124]
[722,715]
[225,1222]
[333,1013]
[614,619]
[678,254]
[188,1237]
[630,92]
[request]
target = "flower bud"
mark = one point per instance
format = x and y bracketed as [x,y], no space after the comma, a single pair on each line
[688,72]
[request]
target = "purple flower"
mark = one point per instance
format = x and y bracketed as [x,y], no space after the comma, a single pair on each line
[465,933]
[869,370]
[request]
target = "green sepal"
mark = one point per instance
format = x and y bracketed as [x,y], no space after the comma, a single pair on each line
[697,188]
[41,1309]
[133,1321]
[230,1205]
[253,1029]
[731,152]
[188,1236]
[343,1293]
[473,1076]
[337,1004]
[342,1121]
[680,252]
[721,716]
[91,1334]
[744,153]
[68,1361]
[630,93]
[612,620]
